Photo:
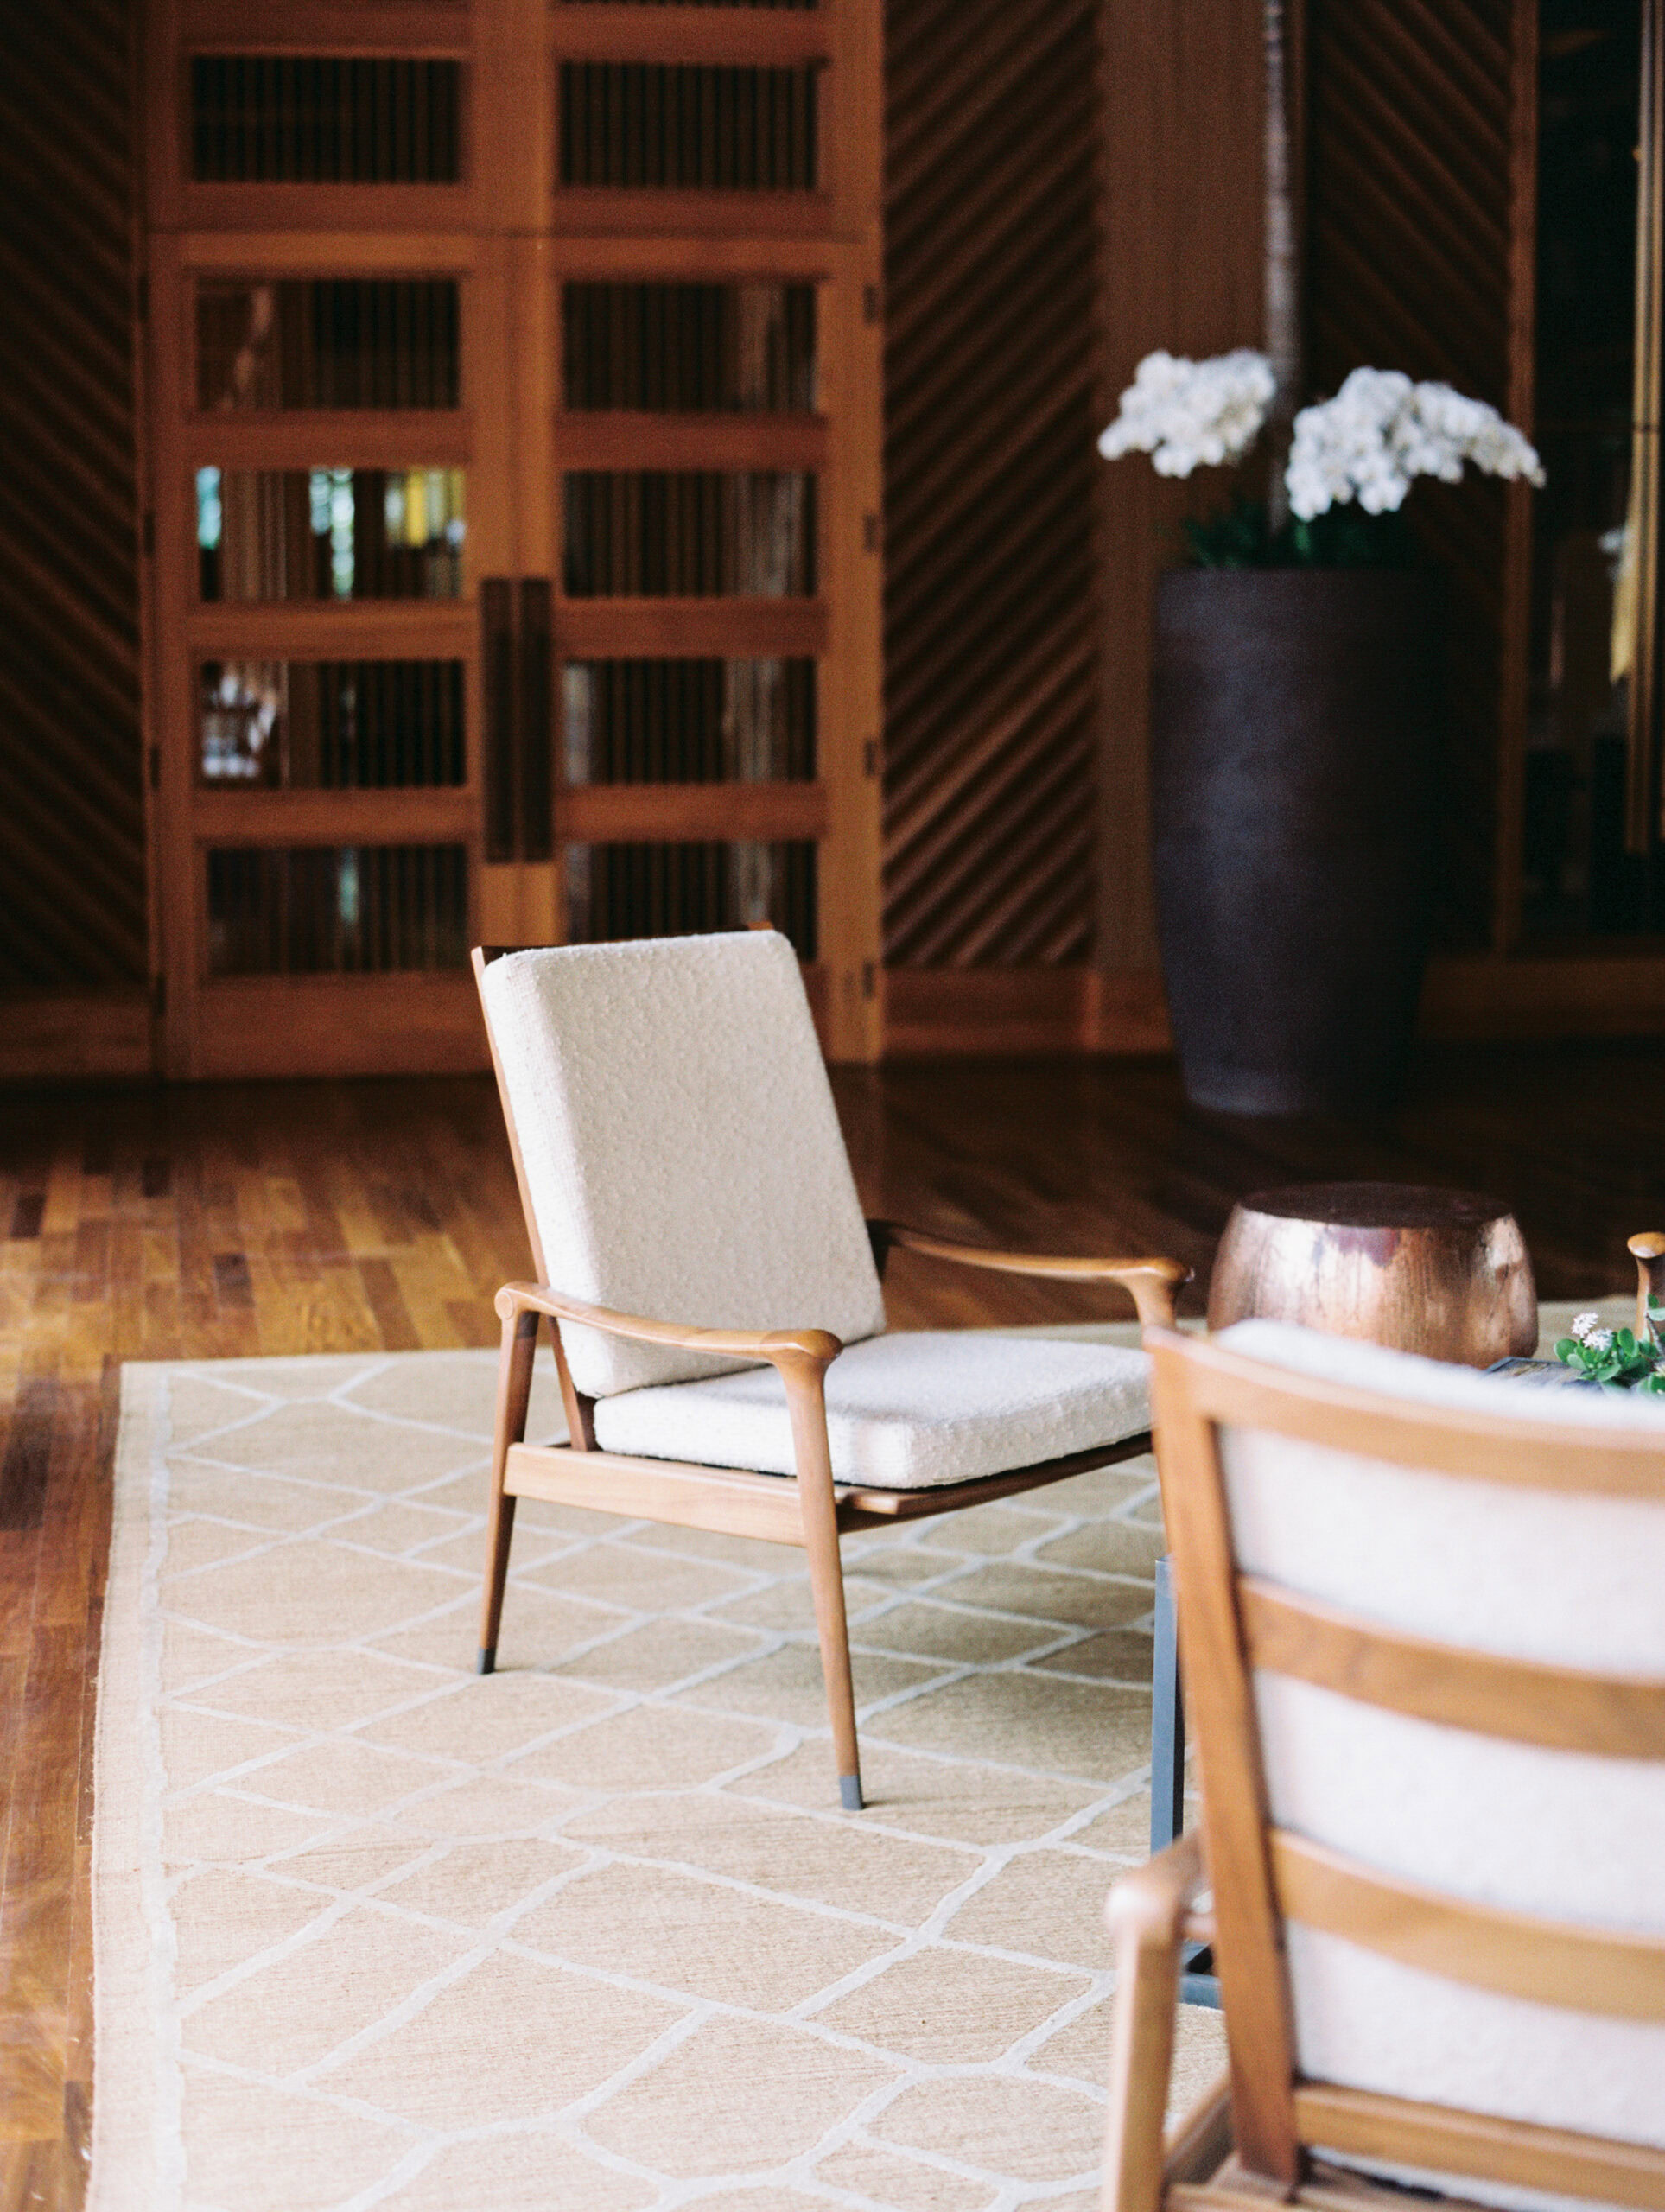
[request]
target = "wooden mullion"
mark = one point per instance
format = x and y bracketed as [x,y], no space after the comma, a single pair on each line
[761,38]
[346,207]
[259,254]
[357,630]
[328,438]
[172,703]
[407,1021]
[636,629]
[617,439]
[850,719]
[692,257]
[581,210]
[415,815]
[368,28]
[635,813]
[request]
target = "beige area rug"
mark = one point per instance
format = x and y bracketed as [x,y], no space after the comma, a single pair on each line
[592,1933]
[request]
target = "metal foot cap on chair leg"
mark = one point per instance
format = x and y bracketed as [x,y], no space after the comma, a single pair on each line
[487,1663]
[849,1792]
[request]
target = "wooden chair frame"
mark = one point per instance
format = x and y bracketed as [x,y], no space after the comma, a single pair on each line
[810,1509]
[1254,2132]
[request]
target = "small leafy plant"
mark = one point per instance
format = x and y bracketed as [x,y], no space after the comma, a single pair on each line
[1242,536]
[1618,1358]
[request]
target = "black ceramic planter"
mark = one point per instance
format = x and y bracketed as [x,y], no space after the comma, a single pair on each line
[1295,724]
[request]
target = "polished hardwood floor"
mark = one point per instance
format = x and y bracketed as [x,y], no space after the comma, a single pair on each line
[218,1221]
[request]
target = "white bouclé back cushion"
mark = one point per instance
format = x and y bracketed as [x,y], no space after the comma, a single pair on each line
[681,1149]
[1552,1576]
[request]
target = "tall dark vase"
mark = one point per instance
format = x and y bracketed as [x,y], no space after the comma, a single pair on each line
[1295,725]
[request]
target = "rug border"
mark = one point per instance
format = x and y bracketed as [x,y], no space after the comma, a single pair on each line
[127,2172]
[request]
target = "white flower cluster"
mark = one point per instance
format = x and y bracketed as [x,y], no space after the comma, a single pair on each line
[1192,414]
[1588,1329]
[1381,431]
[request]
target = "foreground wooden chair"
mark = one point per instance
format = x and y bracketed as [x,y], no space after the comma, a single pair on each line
[713,1293]
[1422,1623]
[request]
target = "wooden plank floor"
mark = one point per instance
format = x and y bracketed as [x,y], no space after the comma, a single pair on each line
[219,1221]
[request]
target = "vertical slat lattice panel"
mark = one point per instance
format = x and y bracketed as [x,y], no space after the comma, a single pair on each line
[1413,265]
[991,614]
[72,832]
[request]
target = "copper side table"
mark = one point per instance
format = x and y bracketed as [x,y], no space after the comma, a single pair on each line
[1442,1273]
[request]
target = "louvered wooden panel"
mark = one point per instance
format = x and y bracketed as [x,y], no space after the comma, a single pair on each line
[71,832]
[991,615]
[1416,263]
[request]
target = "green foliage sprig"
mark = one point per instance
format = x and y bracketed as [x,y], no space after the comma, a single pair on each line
[1242,537]
[1618,1358]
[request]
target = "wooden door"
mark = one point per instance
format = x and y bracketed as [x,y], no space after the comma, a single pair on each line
[514,390]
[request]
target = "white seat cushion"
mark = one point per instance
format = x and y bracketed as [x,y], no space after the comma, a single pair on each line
[904,1412]
[682,1154]
[1564,1578]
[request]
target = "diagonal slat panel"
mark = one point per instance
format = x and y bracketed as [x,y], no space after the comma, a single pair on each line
[72,830]
[1410,124]
[991,604]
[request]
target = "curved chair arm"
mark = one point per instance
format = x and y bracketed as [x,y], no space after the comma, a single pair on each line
[1153,1283]
[1160,1896]
[1648,1250]
[1148,1912]
[776,1347]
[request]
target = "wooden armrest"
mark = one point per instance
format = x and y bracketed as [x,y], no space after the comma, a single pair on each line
[1152,1282]
[1147,1912]
[1648,1250]
[1156,1902]
[774,1346]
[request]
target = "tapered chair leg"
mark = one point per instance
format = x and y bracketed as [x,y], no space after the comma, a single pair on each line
[514,1389]
[805,1397]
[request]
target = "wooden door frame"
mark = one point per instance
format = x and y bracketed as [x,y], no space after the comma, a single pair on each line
[508,236]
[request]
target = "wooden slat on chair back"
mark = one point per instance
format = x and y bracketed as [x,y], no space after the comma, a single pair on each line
[1237,1625]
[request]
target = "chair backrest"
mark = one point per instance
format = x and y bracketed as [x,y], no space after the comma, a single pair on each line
[1422,1619]
[678,1151]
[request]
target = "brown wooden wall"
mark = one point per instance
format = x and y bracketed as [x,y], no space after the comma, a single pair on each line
[72,902]
[1181,268]
[992,614]
[1419,116]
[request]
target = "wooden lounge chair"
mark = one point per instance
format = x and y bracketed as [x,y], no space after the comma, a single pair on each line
[1422,1627]
[713,1293]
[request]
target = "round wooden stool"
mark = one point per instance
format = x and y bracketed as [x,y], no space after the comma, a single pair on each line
[1444,1273]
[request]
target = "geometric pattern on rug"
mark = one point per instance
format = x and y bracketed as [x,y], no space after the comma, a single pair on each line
[592,1932]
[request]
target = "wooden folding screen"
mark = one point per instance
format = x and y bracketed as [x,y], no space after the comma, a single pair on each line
[515,468]
[72,830]
[994,607]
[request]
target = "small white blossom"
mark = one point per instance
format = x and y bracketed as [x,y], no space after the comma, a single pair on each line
[1192,414]
[1381,431]
[1584,1325]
